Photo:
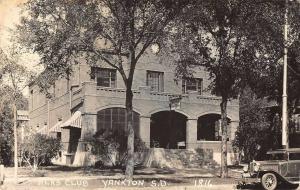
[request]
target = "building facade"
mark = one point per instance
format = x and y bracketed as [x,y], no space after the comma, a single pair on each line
[168,112]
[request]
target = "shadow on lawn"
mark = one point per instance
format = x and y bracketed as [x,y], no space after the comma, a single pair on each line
[62,168]
[108,171]
[102,172]
[153,171]
[83,170]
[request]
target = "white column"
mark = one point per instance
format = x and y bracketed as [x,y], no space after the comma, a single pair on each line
[233,128]
[191,133]
[144,130]
[89,125]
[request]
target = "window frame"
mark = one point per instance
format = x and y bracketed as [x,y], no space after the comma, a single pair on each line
[160,80]
[199,85]
[115,118]
[98,73]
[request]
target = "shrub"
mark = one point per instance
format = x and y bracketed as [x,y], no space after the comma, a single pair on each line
[111,145]
[254,136]
[38,149]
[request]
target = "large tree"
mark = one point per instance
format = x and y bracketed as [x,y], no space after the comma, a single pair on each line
[15,78]
[270,84]
[116,32]
[236,41]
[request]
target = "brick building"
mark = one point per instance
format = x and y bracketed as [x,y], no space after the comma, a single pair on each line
[94,98]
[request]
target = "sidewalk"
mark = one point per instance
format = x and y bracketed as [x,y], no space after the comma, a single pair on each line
[93,183]
[147,178]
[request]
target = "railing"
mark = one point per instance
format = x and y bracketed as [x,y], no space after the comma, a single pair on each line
[209,100]
[165,96]
[90,88]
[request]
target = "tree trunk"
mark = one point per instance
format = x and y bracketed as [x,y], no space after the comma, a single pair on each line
[130,140]
[35,164]
[224,169]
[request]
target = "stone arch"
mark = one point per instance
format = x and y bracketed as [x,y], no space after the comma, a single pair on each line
[116,105]
[209,126]
[114,118]
[165,109]
[168,129]
[213,112]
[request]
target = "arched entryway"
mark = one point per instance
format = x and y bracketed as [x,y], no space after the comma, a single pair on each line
[115,119]
[209,127]
[168,130]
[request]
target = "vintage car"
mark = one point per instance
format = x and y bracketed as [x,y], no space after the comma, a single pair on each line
[282,168]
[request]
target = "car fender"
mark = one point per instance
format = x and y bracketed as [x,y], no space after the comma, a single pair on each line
[279,176]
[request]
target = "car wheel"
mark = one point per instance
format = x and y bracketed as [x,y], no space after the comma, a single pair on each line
[269,181]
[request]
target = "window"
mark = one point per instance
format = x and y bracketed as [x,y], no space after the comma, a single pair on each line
[115,118]
[294,156]
[104,77]
[192,85]
[155,80]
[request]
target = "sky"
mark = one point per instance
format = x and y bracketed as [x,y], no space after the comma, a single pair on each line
[9,17]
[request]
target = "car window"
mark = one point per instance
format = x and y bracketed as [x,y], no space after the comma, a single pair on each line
[278,156]
[294,156]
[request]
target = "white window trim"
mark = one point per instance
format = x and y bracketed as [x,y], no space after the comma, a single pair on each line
[184,83]
[161,79]
[110,77]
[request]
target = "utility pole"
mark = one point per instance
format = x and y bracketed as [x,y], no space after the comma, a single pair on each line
[15,142]
[285,131]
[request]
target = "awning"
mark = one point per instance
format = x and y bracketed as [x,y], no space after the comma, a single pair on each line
[56,128]
[73,121]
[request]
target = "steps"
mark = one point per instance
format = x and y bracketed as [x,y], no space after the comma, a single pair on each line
[178,158]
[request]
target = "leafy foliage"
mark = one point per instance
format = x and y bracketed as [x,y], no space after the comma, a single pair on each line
[255,134]
[6,136]
[114,32]
[235,40]
[39,149]
[6,122]
[270,84]
[111,145]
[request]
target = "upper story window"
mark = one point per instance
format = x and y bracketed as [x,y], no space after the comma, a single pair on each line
[155,80]
[104,77]
[192,85]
